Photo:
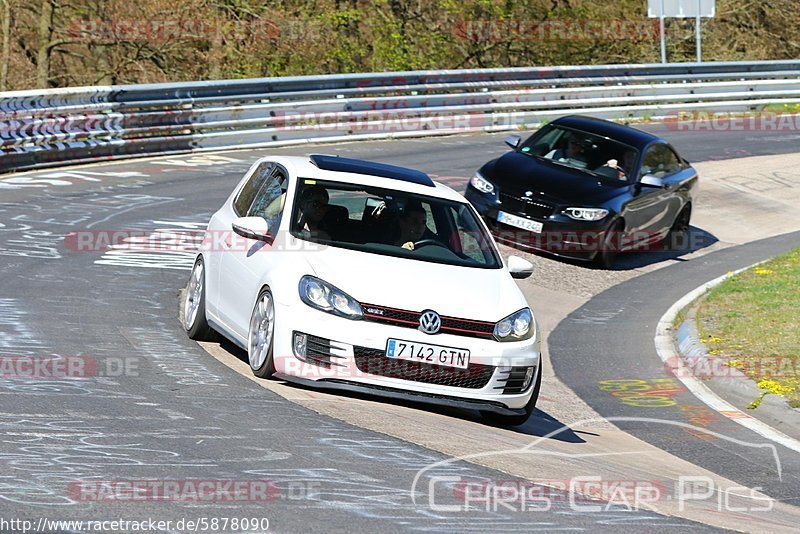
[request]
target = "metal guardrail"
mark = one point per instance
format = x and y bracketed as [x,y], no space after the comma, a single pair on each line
[53,127]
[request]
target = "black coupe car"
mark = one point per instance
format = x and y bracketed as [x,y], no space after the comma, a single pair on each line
[586,188]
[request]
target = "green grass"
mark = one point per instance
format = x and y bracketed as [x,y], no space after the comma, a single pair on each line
[754,316]
[793,107]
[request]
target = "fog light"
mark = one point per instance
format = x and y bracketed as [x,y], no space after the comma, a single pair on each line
[528,378]
[299,345]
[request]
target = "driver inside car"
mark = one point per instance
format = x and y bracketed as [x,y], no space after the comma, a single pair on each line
[413,224]
[573,153]
[313,208]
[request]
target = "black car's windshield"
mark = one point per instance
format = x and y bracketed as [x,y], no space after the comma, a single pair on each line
[594,154]
[391,223]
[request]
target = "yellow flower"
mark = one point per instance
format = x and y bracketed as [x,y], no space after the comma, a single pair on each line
[774,387]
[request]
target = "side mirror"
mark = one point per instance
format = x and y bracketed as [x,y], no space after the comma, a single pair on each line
[652,181]
[252,228]
[519,268]
[513,141]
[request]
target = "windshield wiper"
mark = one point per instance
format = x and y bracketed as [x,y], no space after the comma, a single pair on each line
[584,169]
[531,154]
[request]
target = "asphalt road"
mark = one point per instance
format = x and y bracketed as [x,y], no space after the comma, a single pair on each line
[606,347]
[174,413]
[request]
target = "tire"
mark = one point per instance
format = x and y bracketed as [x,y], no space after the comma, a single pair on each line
[516,420]
[261,336]
[607,254]
[678,236]
[194,305]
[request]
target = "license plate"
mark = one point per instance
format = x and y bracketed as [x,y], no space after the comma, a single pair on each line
[426,353]
[519,222]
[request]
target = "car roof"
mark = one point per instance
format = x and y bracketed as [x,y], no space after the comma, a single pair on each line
[619,132]
[304,167]
[371,168]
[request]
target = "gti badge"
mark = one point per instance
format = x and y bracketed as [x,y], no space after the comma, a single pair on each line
[429,322]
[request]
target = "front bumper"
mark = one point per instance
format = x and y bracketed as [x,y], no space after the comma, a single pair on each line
[360,364]
[560,235]
[407,395]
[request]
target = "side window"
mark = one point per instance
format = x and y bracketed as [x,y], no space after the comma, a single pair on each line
[470,240]
[650,162]
[251,187]
[270,199]
[661,161]
[672,162]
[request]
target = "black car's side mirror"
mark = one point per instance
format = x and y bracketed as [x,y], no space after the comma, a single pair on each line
[513,141]
[652,180]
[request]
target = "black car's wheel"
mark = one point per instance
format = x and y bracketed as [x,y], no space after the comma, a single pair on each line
[194,305]
[516,420]
[678,236]
[612,240]
[261,337]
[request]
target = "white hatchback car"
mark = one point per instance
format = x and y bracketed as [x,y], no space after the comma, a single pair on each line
[347,274]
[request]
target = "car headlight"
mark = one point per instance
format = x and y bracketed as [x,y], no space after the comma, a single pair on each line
[323,296]
[586,214]
[481,184]
[516,327]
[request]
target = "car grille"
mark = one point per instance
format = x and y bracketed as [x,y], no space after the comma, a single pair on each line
[409,319]
[375,362]
[514,380]
[318,352]
[529,206]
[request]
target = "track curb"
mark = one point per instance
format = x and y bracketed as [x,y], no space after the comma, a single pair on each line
[676,347]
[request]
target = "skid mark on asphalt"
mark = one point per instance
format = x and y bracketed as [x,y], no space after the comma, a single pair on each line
[172,246]
[39,231]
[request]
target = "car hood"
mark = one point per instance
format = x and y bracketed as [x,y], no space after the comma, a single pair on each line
[517,173]
[415,285]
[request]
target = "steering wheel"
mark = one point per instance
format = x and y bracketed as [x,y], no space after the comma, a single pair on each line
[426,242]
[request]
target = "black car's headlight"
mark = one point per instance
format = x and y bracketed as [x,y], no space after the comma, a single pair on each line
[323,296]
[586,214]
[481,184]
[516,327]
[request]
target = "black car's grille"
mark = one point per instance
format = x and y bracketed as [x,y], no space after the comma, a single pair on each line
[409,319]
[375,362]
[529,206]
[514,380]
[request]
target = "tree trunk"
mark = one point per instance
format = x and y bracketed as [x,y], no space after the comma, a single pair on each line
[45,48]
[6,46]
[216,51]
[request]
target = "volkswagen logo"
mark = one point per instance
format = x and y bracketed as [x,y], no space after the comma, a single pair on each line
[429,322]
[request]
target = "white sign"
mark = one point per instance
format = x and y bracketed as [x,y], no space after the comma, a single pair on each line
[681,8]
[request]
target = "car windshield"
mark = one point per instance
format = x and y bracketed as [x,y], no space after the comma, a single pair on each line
[596,155]
[391,223]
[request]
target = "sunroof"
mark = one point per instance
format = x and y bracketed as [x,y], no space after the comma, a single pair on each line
[358,166]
